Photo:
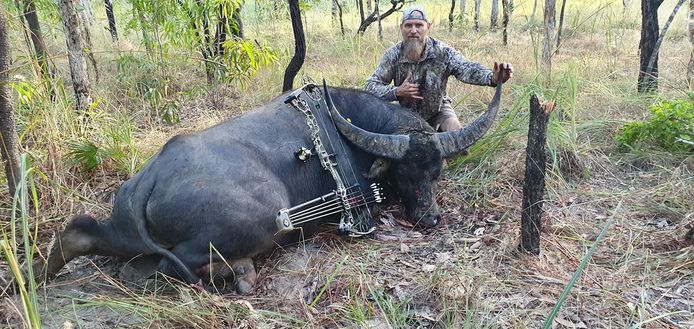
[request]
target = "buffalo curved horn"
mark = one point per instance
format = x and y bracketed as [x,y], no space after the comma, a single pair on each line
[382,145]
[455,142]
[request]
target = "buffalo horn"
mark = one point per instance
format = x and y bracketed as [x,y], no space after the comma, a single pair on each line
[455,142]
[382,145]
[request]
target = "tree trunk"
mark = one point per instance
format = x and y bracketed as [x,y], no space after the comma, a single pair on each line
[451,16]
[463,15]
[495,15]
[238,23]
[649,36]
[534,13]
[78,64]
[396,5]
[360,5]
[507,17]
[299,46]
[476,19]
[561,23]
[337,8]
[661,37]
[550,25]
[8,132]
[111,20]
[36,36]
[380,26]
[690,71]
[534,182]
[84,11]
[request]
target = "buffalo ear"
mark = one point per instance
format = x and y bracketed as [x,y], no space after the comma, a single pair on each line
[378,169]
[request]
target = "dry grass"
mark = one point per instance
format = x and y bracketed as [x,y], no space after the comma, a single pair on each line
[465,273]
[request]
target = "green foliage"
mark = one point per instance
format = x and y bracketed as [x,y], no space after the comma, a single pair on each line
[115,148]
[670,127]
[243,58]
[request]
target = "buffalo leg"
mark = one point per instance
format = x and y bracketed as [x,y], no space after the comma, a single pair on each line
[84,235]
[244,275]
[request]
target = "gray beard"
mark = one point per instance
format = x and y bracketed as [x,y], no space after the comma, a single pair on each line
[413,49]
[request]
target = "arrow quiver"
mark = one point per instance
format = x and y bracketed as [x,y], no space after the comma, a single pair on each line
[347,198]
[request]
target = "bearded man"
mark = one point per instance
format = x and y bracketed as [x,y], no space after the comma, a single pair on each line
[420,65]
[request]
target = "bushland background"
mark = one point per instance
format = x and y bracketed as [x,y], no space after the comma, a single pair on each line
[153,83]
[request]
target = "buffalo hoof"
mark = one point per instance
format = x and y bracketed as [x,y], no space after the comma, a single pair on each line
[245,275]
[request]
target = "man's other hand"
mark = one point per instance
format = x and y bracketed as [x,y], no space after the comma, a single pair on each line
[408,89]
[506,67]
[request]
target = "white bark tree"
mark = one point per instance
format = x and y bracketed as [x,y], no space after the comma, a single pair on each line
[549,31]
[494,21]
[75,49]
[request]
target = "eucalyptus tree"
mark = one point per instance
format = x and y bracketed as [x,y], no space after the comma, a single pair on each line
[8,133]
[31,19]
[561,23]
[476,19]
[75,48]
[111,20]
[299,46]
[549,30]
[494,20]
[212,28]
[651,40]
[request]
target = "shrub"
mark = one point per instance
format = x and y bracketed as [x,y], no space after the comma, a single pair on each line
[671,127]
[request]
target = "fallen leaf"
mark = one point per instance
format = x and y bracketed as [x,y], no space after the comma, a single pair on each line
[404,248]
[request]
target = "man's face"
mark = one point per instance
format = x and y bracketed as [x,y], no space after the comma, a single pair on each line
[415,29]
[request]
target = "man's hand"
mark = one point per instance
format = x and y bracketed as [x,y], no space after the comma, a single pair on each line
[408,89]
[507,70]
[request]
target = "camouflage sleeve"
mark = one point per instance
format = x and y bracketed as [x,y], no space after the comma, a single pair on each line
[379,82]
[468,71]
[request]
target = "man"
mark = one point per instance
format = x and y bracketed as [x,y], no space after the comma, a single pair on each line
[420,66]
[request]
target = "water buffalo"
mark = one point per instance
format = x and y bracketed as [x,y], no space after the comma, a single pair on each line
[223,186]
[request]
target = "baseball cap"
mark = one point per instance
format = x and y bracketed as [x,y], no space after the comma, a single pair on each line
[414,12]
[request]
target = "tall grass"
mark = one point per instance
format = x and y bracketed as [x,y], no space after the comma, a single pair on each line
[11,246]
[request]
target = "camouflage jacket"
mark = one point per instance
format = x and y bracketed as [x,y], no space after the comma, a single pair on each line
[431,73]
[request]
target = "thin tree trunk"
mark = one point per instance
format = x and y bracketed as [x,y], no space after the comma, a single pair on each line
[534,13]
[507,17]
[8,130]
[476,19]
[84,11]
[111,20]
[690,70]
[550,25]
[561,23]
[649,36]
[534,182]
[78,64]
[36,36]
[380,26]
[451,16]
[360,5]
[494,21]
[463,15]
[299,46]
[238,22]
[656,49]
[337,8]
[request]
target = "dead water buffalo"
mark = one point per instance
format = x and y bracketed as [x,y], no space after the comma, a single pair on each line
[223,186]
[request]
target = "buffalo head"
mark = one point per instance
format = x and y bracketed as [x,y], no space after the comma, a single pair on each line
[413,159]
